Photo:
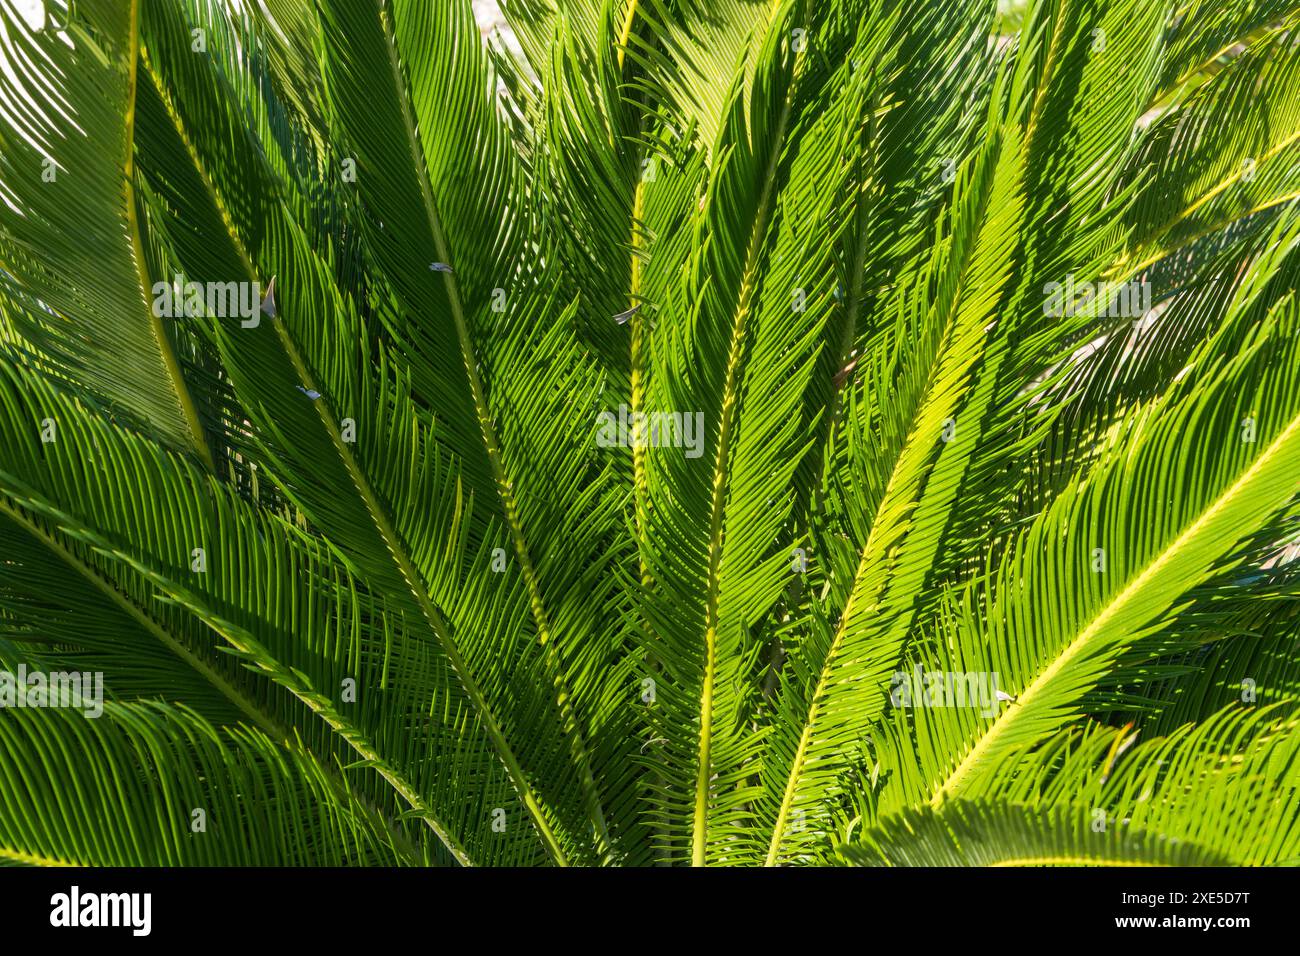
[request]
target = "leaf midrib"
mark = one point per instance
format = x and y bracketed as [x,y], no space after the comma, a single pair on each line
[24,858]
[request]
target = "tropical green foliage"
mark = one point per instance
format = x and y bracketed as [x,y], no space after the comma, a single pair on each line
[372,575]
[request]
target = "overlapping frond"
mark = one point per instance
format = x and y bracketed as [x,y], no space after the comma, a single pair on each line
[747,432]
[71,256]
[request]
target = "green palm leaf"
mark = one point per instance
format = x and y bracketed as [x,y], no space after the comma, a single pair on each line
[711,436]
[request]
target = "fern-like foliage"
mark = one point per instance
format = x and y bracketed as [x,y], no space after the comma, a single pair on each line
[745,432]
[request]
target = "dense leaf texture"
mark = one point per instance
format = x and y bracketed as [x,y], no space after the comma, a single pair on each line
[746,432]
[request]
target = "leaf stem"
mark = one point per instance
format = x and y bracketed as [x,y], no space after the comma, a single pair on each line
[165,347]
